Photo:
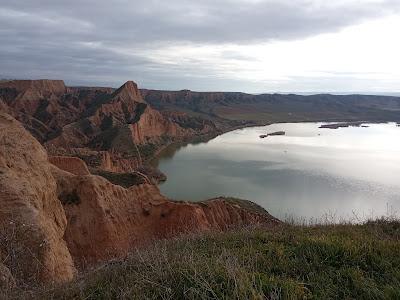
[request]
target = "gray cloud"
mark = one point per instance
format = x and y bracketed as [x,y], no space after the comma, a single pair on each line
[105,42]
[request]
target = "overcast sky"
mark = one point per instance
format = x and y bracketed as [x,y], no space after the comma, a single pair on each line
[207,45]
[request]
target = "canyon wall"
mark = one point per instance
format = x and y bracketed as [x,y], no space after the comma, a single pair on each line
[32,219]
[57,218]
[111,130]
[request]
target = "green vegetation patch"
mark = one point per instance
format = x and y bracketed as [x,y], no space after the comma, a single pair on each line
[140,109]
[287,262]
[147,150]
[245,204]
[99,99]
[125,180]
[104,140]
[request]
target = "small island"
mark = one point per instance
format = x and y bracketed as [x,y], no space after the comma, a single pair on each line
[277,133]
[343,125]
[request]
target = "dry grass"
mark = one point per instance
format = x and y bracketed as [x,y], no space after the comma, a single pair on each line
[20,252]
[288,262]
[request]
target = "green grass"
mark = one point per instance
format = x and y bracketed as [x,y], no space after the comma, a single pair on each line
[287,262]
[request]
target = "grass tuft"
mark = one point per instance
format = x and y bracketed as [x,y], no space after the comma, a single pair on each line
[287,262]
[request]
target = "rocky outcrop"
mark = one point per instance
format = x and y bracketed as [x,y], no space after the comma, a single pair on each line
[106,220]
[223,213]
[119,131]
[73,165]
[30,211]
[152,126]
[29,92]
[112,130]
[39,105]
[123,106]
[127,92]
[42,86]
[53,221]
[27,98]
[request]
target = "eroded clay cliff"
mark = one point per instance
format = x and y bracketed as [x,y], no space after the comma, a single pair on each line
[63,218]
[112,130]
[32,219]
[106,220]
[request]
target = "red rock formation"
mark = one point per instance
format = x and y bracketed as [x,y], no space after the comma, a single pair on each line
[31,91]
[85,216]
[72,165]
[127,92]
[29,206]
[38,104]
[105,220]
[121,107]
[152,126]
[113,130]
[121,125]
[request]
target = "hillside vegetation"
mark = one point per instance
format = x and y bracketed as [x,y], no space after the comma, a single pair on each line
[277,107]
[286,262]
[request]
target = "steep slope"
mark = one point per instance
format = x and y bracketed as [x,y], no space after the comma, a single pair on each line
[53,221]
[105,220]
[43,106]
[120,133]
[31,216]
[111,130]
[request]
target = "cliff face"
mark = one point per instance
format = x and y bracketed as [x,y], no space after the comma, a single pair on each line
[72,165]
[153,126]
[30,212]
[113,130]
[68,220]
[105,220]
[29,92]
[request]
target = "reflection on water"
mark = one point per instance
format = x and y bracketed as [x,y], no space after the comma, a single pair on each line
[308,173]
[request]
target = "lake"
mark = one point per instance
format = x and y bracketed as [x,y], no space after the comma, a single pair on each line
[310,173]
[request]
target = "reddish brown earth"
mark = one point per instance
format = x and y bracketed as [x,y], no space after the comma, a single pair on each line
[57,216]
[70,164]
[70,220]
[30,211]
[112,130]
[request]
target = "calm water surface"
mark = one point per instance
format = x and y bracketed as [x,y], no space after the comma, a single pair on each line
[346,173]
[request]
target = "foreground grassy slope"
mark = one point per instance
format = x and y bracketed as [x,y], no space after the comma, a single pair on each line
[287,262]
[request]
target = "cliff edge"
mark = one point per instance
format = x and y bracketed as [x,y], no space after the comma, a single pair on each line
[64,220]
